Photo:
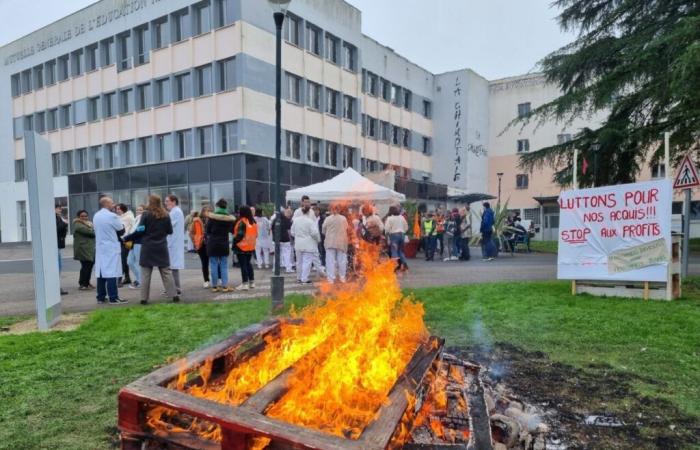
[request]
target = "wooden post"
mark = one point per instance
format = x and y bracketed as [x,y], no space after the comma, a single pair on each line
[646,290]
[573,287]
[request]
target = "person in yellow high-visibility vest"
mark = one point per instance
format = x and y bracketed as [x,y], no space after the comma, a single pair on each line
[429,233]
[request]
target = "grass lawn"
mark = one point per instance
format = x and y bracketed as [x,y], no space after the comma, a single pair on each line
[59,389]
[694,245]
[544,246]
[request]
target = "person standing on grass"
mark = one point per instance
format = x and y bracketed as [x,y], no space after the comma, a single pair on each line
[486,229]
[396,228]
[286,252]
[465,230]
[218,227]
[245,234]
[84,248]
[135,252]
[176,240]
[198,236]
[263,244]
[335,229]
[127,219]
[154,229]
[61,233]
[306,239]
[108,250]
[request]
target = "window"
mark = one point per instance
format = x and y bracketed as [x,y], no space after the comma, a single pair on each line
[406,138]
[38,77]
[314,95]
[52,119]
[313,39]
[93,109]
[27,81]
[293,146]
[407,99]
[107,51]
[65,116]
[109,105]
[143,96]
[162,92]
[40,122]
[202,17]
[67,162]
[183,87]
[91,57]
[180,25]
[226,74]
[17,127]
[126,154]
[205,85]
[523,145]
[332,101]
[395,95]
[63,67]
[563,138]
[331,154]
[163,141]
[81,162]
[386,90]
[224,12]
[77,62]
[372,84]
[50,75]
[16,85]
[124,50]
[523,109]
[658,170]
[349,56]
[293,88]
[332,48]
[143,147]
[348,157]
[56,164]
[384,131]
[426,145]
[229,136]
[348,107]
[20,174]
[292,31]
[110,156]
[427,109]
[314,154]
[140,37]
[160,32]
[95,158]
[183,143]
[395,135]
[521,181]
[205,140]
[371,127]
[126,102]
[28,123]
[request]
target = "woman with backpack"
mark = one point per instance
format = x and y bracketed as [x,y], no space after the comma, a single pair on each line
[197,234]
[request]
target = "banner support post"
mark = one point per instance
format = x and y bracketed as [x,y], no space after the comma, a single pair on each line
[686,234]
[575,168]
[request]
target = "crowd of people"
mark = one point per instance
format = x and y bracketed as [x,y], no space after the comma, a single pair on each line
[123,247]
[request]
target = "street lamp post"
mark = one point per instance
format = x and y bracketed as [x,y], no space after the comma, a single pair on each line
[277,280]
[499,175]
[595,147]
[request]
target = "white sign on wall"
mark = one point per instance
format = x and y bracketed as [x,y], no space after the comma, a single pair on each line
[618,232]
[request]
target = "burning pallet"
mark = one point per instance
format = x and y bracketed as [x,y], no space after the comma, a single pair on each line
[436,403]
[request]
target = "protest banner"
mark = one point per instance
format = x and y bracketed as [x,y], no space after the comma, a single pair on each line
[620,232]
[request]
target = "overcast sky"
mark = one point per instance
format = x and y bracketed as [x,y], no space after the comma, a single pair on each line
[496,38]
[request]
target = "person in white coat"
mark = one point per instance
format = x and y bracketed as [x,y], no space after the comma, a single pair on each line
[176,241]
[306,239]
[108,250]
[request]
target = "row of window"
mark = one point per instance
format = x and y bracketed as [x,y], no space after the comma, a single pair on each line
[402,97]
[314,97]
[306,35]
[129,48]
[523,145]
[391,134]
[204,80]
[307,148]
[182,144]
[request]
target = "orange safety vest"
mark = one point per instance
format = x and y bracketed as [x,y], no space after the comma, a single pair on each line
[247,244]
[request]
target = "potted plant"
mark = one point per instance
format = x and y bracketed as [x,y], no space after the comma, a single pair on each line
[411,247]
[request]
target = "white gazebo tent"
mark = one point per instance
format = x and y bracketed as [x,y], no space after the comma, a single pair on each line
[349,186]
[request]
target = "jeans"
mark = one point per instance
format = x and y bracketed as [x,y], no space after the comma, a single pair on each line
[456,246]
[336,257]
[85,273]
[107,286]
[218,269]
[247,274]
[133,262]
[204,260]
[464,249]
[440,239]
[60,260]
[396,243]
[125,265]
[430,242]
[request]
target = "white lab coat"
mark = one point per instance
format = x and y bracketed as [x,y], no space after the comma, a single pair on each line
[176,241]
[306,234]
[108,250]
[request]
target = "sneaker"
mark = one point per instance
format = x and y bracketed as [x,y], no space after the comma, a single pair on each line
[134,286]
[259,267]
[176,299]
[89,286]
[243,287]
[251,285]
[117,301]
[215,289]
[226,289]
[64,292]
[83,288]
[267,266]
[490,259]
[101,302]
[206,285]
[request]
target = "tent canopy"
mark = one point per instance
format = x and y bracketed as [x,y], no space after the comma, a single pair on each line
[350,186]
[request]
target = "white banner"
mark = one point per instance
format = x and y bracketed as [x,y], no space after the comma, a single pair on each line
[618,232]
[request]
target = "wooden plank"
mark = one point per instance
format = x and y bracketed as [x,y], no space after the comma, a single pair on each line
[646,290]
[379,432]
[269,393]
[186,441]
[480,423]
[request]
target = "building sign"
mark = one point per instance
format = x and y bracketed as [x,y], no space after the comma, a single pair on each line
[458,146]
[120,8]
[618,232]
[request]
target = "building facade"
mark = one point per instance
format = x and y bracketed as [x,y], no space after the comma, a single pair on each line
[155,96]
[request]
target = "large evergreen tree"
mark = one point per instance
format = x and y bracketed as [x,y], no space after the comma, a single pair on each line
[640,61]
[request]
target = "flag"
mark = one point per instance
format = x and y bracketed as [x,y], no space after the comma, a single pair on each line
[584,166]
[416,226]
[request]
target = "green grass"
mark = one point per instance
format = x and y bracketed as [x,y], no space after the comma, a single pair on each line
[6,321]
[694,245]
[59,389]
[544,246]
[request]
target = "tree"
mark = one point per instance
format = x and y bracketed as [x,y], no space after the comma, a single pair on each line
[640,61]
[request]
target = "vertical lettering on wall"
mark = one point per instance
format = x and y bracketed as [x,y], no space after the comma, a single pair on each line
[457,91]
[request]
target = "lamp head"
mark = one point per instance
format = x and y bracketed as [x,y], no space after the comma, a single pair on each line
[499,174]
[280,5]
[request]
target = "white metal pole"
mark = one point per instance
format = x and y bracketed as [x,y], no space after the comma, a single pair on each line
[575,168]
